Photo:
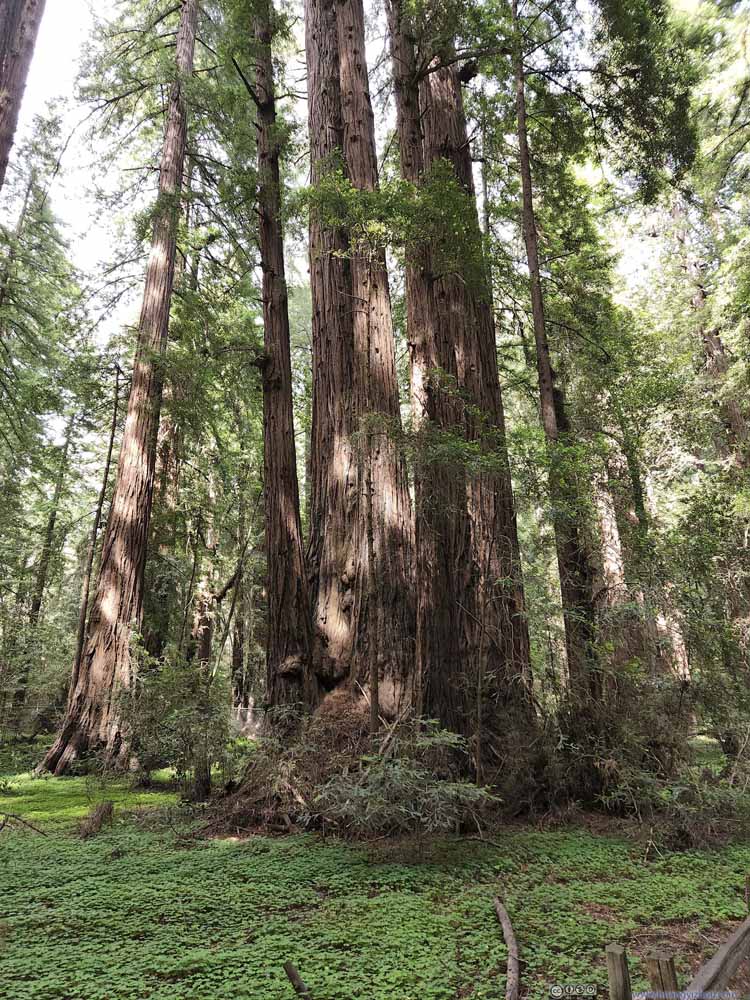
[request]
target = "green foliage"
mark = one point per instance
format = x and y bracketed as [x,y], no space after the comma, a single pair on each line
[179,717]
[404,790]
[216,920]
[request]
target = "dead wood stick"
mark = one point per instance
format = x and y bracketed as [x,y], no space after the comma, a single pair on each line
[296,980]
[6,818]
[513,978]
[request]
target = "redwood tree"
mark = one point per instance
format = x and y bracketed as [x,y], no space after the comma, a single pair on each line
[334,484]
[472,634]
[576,571]
[19,28]
[288,645]
[384,587]
[92,721]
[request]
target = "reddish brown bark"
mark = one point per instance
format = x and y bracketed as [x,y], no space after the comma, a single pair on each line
[334,484]
[494,622]
[472,638]
[92,720]
[19,28]
[383,654]
[289,675]
[441,532]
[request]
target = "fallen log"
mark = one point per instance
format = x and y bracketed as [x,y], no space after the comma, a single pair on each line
[300,987]
[513,978]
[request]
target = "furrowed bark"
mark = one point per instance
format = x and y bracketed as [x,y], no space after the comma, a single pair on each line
[384,591]
[494,624]
[335,502]
[441,528]
[472,638]
[19,27]
[289,675]
[92,720]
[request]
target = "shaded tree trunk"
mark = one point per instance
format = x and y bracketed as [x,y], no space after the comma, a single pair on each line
[334,484]
[384,612]
[441,525]
[91,550]
[289,674]
[92,720]
[494,620]
[576,573]
[472,638]
[19,28]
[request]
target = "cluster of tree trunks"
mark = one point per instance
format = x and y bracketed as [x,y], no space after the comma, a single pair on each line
[410,610]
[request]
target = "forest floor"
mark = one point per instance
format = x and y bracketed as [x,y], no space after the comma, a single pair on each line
[143,911]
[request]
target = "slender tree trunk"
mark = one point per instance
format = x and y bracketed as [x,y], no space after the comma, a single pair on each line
[384,614]
[289,674]
[91,551]
[92,720]
[45,557]
[576,573]
[19,28]
[40,584]
[335,501]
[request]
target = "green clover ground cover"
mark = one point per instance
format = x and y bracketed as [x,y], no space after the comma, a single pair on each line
[138,912]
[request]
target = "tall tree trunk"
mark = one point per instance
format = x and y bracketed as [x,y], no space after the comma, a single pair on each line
[19,28]
[384,612]
[91,550]
[494,625]
[576,573]
[472,634]
[289,673]
[92,720]
[45,557]
[441,526]
[335,489]
[40,584]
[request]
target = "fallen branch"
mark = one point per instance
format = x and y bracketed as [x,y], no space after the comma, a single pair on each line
[296,980]
[513,978]
[7,818]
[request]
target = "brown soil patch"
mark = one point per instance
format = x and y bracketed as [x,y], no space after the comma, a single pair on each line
[692,948]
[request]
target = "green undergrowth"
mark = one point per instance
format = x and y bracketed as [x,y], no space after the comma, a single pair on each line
[142,912]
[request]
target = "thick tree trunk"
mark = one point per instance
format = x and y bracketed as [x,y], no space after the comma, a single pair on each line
[289,673]
[494,624]
[442,527]
[576,574]
[472,638]
[19,28]
[92,720]
[384,613]
[335,489]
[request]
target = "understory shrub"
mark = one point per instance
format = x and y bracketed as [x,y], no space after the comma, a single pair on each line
[335,776]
